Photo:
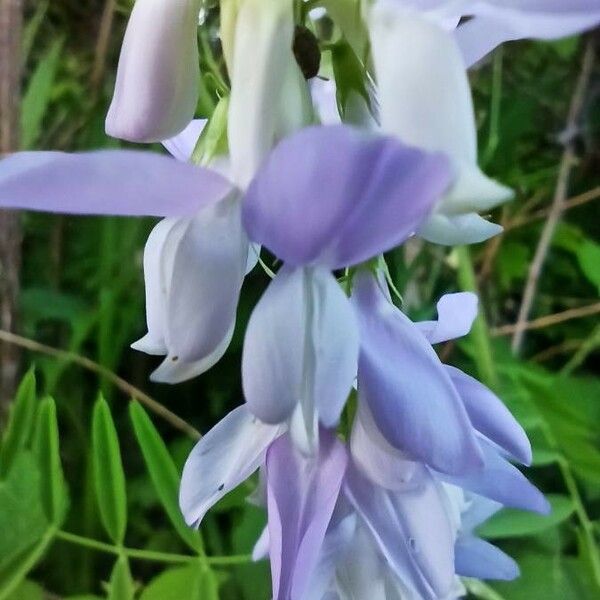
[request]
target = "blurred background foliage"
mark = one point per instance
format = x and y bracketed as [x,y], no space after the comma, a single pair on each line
[88,477]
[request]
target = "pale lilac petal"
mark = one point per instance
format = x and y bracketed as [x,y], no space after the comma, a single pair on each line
[489,416]
[301,348]
[383,464]
[302,493]
[479,510]
[203,285]
[502,482]
[269,96]
[481,560]
[182,145]
[323,92]
[361,573]
[499,21]
[109,182]
[454,230]
[411,528]
[261,548]
[158,75]
[227,455]
[336,196]
[158,255]
[456,313]
[410,395]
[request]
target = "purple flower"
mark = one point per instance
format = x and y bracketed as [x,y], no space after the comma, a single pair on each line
[158,77]
[419,62]
[326,198]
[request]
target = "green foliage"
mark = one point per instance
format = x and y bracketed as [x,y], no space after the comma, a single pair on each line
[183,583]
[109,478]
[163,473]
[121,586]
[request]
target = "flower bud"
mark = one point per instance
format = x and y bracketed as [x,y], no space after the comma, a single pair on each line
[158,75]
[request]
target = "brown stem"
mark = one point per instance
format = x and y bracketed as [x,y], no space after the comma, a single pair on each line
[549,320]
[102,45]
[156,407]
[11,24]
[560,196]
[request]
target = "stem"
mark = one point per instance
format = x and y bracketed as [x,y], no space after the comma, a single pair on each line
[149,555]
[130,390]
[495,103]
[484,358]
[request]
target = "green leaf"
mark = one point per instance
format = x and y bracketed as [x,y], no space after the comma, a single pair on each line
[193,582]
[109,478]
[28,590]
[38,94]
[46,448]
[15,571]
[121,585]
[22,518]
[163,473]
[20,424]
[515,523]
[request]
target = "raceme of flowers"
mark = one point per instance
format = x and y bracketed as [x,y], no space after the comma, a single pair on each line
[376,461]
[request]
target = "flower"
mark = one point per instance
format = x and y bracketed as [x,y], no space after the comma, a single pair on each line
[493,22]
[158,77]
[326,198]
[425,100]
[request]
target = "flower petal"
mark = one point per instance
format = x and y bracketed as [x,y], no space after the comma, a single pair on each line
[410,395]
[411,528]
[499,21]
[456,230]
[383,464]
[266,84]
[336,196]
[456,313]
[158,75]
[502,482]
[203,287]
[182,145]
[489,416]
[481,560]
[434,112]
[109,182]
[227,455]
[301,347]
[302,493]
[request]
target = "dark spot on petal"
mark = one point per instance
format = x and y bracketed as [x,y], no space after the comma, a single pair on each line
[220,488]
[175,358]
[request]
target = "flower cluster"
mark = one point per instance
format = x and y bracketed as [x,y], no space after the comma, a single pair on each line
[388,509]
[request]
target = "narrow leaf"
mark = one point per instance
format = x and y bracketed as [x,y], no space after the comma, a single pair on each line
[121,585]
[109,478]
[38,94]
[182,583]
[515,523]
[163,473]
[20,424]
[46,448]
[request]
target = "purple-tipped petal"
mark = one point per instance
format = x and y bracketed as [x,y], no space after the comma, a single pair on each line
[158,75]
[411,528]
[109,182]
[302,493]
[182,145]
[499,21]
[502,482]
[410,395]
[481,560]
[456,313]
[301,347]
[489,416]
[383,464]
[227,455]
[335,196]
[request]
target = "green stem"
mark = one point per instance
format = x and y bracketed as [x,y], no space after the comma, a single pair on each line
[495,103]
[150,555]
[484,358]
